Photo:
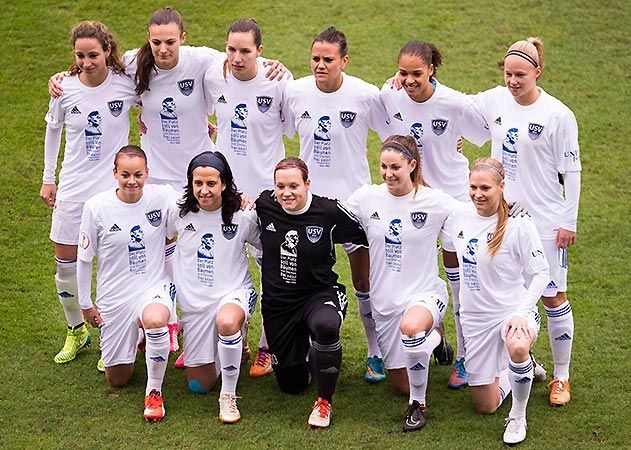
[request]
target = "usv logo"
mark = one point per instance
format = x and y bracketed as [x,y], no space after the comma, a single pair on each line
[439,126]
[314,233]
[347,118]
[418,219]
[186,86]
[264,103]
[534,131]
[154,217]
[116,107]
[229,231]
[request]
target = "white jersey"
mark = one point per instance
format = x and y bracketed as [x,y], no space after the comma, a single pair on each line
[436,125]
[97,126]
[333,130]
[210,257]
[402,233]
[492,289]
[129,241]
[251,125]
[535,144]
[174,111]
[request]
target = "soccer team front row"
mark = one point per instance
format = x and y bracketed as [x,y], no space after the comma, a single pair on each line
[533,134]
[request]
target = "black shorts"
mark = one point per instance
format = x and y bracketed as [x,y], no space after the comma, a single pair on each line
[288,335]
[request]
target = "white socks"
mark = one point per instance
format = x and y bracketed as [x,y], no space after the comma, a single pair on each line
[66,281]
[229,350]
[520,376]
[363,303]
[561,333]
[156,357]
[418,349]
[453,276]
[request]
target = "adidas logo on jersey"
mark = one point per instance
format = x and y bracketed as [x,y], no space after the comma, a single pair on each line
[461,235]
[221,99]
[114,228]
[375,216]
[563,337]
[498,121]
[305,115]
[418,366]
[75,110]
[189,227]
[271,227]
[398,116]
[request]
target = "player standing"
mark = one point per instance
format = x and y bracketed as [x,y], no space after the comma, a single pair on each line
[94,109]
[436,116]
[332,113]
[535,136]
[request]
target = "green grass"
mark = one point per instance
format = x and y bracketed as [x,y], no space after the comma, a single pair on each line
[43,405]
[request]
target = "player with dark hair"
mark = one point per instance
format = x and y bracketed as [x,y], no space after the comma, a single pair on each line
[94,110]
[302,302]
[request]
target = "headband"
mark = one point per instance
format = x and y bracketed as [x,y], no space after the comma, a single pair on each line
[489,165]
[206,159]
[394,145]
[523,55]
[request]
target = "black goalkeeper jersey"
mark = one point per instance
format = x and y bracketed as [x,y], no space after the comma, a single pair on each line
[299,251]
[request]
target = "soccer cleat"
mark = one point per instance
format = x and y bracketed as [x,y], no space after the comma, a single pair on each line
[76,340]
[515,430]
[320,416]
[179,362]
[174,330]
[100,365]
[443,353]
[262,364]
[375,370]
[245,353]
[559,392]
[459,377]
[415,418]
[539,371]
[154,406]
[228,411]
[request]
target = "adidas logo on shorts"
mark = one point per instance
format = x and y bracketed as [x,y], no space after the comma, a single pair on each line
[270,227]
[114,228]
[375,216]
[189,227]
[305,115]
[221,99]
[75,110]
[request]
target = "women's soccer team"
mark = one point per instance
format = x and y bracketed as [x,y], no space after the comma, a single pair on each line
[176,218]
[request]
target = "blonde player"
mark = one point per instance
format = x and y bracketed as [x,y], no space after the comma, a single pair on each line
[94,110]
[250,122]
[126,229]
[499,315]
[436,116]
[210,269]
[535,136]
[403,217]
[332,113]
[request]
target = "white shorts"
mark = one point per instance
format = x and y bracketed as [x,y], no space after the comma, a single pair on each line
[557,260]
[389,331]
[66,221]
[350,247]
[200,328]
[121,327]
[487,354]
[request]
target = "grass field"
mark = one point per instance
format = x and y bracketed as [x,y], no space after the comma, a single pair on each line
[43,405]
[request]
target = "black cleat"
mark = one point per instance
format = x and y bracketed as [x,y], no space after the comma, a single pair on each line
[443,353]
[415,418]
